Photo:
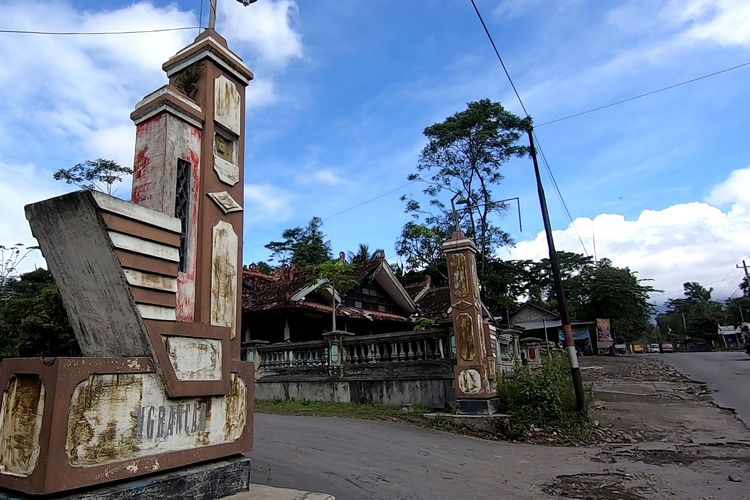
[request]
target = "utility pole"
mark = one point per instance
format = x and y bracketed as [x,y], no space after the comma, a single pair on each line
[684,326]
[747,276]
[575,370]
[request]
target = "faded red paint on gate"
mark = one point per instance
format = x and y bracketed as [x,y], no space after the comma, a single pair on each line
[186,280]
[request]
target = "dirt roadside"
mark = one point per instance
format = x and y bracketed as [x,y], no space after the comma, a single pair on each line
[661,436]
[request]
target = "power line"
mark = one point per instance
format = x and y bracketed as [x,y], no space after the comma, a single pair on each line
[66,33]
[645,94]
[729,277]
[536,139]
[367,201]
[200,17]
[559,194]
[355,206]
[497,53]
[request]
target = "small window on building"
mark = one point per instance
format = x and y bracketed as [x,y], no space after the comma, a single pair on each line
[224,148]
[358,304]
[182,205]
[382,308]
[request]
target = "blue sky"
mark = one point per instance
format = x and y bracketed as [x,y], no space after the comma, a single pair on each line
[344,90]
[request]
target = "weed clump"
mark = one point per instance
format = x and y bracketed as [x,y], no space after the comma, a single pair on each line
[542,403]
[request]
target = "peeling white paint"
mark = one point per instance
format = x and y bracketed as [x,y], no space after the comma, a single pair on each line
[144,247]
[148,280]
[228,173]
[116,418]
[227,104]
[159,313]
[194,358]
[225,202]
[21,415]
[137,212]
[224,277]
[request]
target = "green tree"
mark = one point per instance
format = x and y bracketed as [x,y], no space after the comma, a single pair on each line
[602,290]
[339,276]
[695,315]
[99,174]
[422,248]
[737,310]
[301,246]
[363,254]
[32,318]
[463,158]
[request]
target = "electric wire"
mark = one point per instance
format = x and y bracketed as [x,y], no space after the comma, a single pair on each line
[356,206]
[645,94]
[76,33]
[200,18]
[558,192]
[497,53]
[536,139]
[669,292]
[367,201]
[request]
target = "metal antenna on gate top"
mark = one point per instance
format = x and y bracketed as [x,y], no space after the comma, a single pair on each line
[212,15]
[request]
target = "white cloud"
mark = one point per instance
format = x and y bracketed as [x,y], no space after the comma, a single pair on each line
[265,203]
[265,27]
[261,92]
[325,176]
[19,186]
[685,242]
[723,22]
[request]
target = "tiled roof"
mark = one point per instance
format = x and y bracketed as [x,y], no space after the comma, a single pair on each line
[434,304]
[263,292]
[415,288]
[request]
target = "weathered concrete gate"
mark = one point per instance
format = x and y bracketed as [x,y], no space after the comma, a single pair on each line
[151,289]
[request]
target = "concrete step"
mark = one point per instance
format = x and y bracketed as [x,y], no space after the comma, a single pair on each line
[263,492]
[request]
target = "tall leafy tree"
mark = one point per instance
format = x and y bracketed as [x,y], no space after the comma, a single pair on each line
[737,310]
[421,246]
[33,321]
[302,246]
[364,254]
[694,316]
[99,174]
[463,158]
[602,290]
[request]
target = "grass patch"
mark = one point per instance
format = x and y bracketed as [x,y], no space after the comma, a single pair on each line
[369,411]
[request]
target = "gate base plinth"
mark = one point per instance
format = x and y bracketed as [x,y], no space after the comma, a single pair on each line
[203,481]
[488,406]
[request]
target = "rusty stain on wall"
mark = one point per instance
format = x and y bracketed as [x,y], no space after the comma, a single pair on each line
[459,281]
[21,425]
[194,358]
[224,277]
[115,418]
[227,104]
[465,333]
[236,410]
[96,409]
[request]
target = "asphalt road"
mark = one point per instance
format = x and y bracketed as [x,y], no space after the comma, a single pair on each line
[727,374]
[390,460]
